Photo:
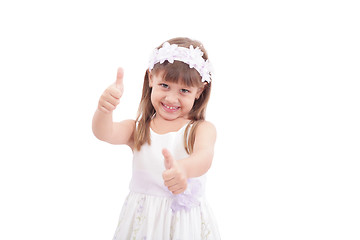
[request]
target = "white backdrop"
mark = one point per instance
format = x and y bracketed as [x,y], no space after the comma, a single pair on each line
[285,102]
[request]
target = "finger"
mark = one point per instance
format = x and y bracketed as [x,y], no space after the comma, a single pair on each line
[179,191]
[111,99]
[104,110]
[114,92]
[168,175]
[168,159]
[171,182]
[119,78]
[175,187]
[108,98]
[107,105]
[175,183]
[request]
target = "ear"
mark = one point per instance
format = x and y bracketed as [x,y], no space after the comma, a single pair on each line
[199,91]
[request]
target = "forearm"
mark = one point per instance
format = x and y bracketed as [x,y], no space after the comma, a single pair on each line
[198,163]
[102,125]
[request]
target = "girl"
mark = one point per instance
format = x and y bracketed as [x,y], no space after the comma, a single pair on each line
[172,143]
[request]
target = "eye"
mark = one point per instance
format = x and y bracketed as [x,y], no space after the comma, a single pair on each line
[184,90]
[164,85]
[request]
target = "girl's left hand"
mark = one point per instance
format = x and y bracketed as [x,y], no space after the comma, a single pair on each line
[174,176]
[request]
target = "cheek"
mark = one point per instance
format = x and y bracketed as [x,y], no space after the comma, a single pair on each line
[155,96]
[152,97]
[189,101]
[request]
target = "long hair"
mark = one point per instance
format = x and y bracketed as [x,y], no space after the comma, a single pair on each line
[173,72]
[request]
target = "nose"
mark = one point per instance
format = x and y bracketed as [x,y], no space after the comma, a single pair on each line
[171,97]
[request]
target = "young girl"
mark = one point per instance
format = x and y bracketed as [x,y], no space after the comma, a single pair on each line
[172,143]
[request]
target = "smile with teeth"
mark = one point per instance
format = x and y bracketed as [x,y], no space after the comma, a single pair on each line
[170,108]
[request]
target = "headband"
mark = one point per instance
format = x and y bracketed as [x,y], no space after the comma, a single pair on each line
[192,57]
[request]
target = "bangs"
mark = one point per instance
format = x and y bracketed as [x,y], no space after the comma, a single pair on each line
[179,72]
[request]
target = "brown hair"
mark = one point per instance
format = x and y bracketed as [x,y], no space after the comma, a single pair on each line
[177,71]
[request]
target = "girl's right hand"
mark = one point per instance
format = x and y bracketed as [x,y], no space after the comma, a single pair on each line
[111,96]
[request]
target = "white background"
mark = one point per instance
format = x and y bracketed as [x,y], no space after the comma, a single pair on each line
[285,102]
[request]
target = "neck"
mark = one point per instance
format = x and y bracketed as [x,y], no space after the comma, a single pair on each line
[163,126]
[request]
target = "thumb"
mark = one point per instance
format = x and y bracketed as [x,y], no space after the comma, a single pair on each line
[168,159]
[119,78]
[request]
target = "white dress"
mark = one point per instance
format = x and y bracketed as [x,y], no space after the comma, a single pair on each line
[151,211]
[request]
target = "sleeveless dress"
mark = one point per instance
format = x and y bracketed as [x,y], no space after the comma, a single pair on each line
[151,211]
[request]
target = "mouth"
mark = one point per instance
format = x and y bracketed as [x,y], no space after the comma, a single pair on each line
[169,108]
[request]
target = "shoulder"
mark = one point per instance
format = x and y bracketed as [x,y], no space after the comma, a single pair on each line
[129,122]
[206,125]
[205,136]
[206,129]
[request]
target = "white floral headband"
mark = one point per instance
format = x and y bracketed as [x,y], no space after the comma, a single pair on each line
[190,56]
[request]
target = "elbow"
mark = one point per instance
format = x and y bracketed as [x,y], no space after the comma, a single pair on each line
[208,162]
[98,134]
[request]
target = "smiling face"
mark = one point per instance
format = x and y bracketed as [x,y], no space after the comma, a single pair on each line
[172,101]
[169,92]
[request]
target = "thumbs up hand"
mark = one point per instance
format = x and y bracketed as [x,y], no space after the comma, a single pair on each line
[174,176]
[111,96]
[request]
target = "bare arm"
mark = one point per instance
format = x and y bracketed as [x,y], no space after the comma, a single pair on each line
[113,132]
[199,162]
[103,126]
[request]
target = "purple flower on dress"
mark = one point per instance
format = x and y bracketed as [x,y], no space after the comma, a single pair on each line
[189,198]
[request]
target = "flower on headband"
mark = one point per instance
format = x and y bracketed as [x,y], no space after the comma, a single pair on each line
[152,60]
[206,70]
[166,52]
[191,56]
[194,57]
